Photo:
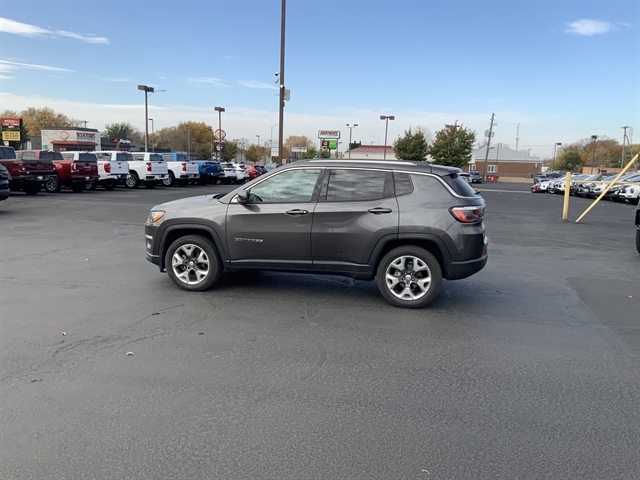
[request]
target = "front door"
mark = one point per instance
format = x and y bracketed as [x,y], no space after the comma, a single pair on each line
[273,229]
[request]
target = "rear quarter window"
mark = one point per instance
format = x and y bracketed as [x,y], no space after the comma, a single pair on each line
[48,156]
[459,185]
[7,153]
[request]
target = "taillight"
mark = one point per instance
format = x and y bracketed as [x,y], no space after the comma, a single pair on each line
[74,167]
[107,167]
[148,166]
[467,214]
[184,167]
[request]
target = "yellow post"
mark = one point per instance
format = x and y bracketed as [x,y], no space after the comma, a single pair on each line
[633,160]
[567,193]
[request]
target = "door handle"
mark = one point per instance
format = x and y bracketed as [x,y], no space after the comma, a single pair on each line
[379,210]
[297,211]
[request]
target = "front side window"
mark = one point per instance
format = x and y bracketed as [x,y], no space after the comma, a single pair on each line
[352,185]
[7,153]
[288,187]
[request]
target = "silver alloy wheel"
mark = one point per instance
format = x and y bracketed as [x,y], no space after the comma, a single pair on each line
[130,181]
[190,264]
[52,183]
[408,278]
[167,181]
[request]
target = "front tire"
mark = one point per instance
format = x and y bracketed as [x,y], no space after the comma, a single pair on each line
[193,264]
[638,240]
[409,277]
[77,187]
[132,180]
[52,185]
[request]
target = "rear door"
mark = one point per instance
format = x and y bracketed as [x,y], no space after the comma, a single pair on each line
[273,230]
[356,210]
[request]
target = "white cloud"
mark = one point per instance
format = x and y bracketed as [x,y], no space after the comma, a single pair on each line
[203,81]
[588,27]
[256,84]
[5,77]
[26,30]
[8,66]
[119,79]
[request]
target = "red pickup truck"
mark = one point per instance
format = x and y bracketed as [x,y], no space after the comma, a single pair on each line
[75,170]
[26,172]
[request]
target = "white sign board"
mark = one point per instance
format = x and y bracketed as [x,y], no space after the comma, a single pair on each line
[328,133]
[298,149]
[274,152]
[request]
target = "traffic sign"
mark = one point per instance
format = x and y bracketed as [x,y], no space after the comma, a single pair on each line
[219,134]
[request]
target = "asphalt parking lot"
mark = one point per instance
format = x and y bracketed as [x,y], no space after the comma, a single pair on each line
[528,369]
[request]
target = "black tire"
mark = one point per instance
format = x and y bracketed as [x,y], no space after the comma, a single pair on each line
[181,273]
[110,185]
[170,180]
[202,181]
[132,180]
[218,181]
[31,188]
[638,240]
[182,183]
[52,185]
[77,187]
[93,185]
[150,184]
[402,261]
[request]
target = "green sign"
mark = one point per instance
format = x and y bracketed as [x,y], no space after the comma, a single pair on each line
[333,144]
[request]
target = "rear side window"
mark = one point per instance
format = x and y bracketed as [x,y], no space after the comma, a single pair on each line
[47,156]
[459,185]
[402,182]
[105,157]
[138,156]
[87,157]
[67,156]
[7,153]
[358,185]
[168,157]
[154,157]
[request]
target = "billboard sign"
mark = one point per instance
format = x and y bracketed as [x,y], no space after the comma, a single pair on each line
[298,149]
[11,123]
[10,136]
[328,133]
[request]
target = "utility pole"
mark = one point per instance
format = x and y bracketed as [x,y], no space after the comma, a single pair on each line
[624,144]
[283,18]
[517,136]
[486,155]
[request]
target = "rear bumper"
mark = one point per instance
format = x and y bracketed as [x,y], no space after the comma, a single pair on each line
[31,177]
[157,177]
[459,270]
[189,176]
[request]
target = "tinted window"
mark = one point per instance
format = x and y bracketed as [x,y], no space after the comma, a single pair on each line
[47,156]
[124,157]
[290,186]
[88,157]
[358,185]
[155,157]
[7,153]
[181,157]
[459,185]
[402,182]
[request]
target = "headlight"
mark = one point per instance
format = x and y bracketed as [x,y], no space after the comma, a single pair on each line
[155,216]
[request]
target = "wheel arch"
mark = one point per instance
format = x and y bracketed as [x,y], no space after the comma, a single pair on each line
[431,244]
[172,233]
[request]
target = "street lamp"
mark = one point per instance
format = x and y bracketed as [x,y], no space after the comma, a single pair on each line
[146,91]
[386,118]
[593,155]
[152,132]
[259,148]
[554,151]
[377,140]
[219,110]
[350,132]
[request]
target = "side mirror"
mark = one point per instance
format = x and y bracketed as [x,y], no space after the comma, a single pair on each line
[243,196]
[478,193]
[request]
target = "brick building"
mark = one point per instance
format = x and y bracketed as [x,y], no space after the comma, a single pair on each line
[505,162]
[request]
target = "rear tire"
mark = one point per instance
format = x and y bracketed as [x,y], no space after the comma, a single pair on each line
[110,185]
[193,264]
[31,188]
[132,180]
[169,180]
[77,188]
[638,240]
[150,184]
[52,185]
[409,277]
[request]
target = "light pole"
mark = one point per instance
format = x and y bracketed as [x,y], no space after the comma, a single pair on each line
[593,154]
[219,110]
[386,118]
[152,132]
[555,145]
[350,132]
[259,148]
[377,140]
[271,143]
[146,91]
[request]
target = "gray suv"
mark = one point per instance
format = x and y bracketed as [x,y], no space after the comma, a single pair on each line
[407,225]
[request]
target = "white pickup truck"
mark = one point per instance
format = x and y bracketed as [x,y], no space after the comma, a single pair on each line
[147,168]
[181,169]
[113,168]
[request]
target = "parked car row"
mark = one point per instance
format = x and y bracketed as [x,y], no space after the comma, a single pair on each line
[34,170]
[627,189]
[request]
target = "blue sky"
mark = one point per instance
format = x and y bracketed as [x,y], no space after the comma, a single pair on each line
[562,70]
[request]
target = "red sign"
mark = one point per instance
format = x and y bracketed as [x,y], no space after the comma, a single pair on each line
[11,122]
[85,136]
